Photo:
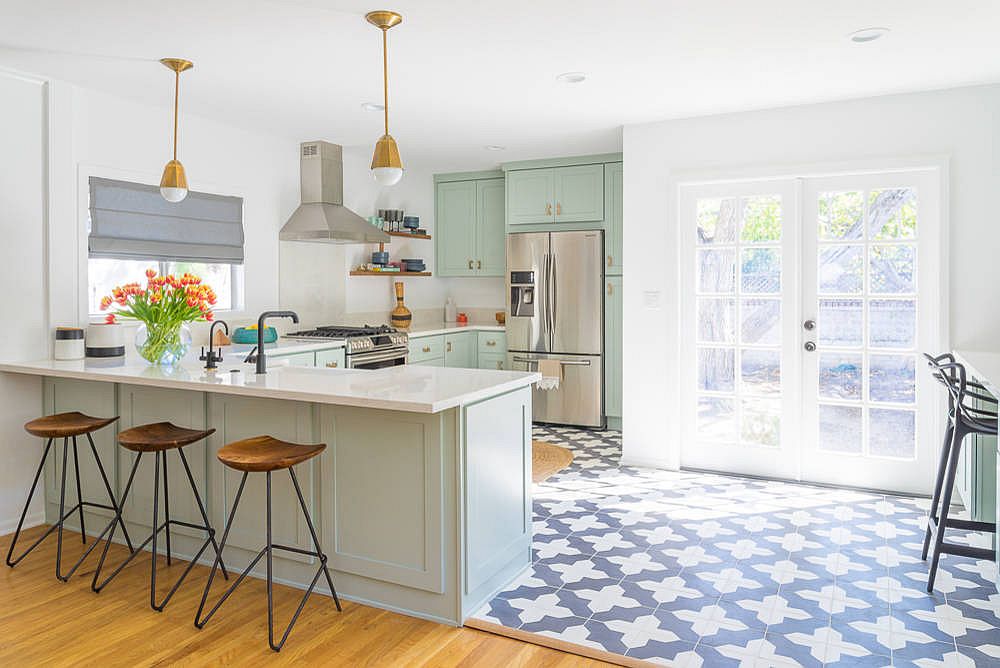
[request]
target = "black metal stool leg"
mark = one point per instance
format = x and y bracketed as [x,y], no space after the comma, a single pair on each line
[166,507]
[949,486]
[114,525]
[107,486]
[933,515]
[270,577]
[315,537]
[204,515]
[156,528]
[200,621]
[24,513]
[79,492]
[62,505]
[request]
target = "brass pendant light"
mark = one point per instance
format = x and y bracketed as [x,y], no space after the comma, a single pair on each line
[173,185]
[387,168]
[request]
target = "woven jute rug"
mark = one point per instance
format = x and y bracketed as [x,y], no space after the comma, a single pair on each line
[548,459]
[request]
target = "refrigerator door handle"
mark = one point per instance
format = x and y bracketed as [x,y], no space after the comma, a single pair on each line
[547,306]
[552,299]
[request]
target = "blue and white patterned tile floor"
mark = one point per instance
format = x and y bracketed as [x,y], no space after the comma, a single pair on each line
[691,569]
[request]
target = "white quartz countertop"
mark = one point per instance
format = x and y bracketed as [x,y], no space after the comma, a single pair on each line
[984,366]
[409,388]
[446,327]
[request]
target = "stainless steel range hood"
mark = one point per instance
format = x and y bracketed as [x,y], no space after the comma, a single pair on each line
[322,215]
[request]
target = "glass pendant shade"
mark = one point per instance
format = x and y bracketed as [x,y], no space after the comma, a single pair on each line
[173,185]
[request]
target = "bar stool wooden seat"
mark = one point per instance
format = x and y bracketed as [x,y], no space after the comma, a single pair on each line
[265,454]
[66,426]
[159,438]
[971,410]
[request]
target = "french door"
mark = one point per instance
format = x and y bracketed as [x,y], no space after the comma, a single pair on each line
[806,303]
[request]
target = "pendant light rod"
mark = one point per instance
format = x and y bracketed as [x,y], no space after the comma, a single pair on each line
[385,76]
[173,184]
[178,65]
[387,168]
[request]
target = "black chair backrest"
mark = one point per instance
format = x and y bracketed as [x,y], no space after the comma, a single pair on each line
[962,392]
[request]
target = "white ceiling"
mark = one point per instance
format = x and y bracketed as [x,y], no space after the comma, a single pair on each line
[464,74]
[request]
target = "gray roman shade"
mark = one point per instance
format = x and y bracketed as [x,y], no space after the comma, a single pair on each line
[131,221]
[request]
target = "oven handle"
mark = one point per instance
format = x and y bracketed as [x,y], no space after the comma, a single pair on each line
[365,358]
[563,362]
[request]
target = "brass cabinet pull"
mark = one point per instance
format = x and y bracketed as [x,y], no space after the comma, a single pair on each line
[499,365]
[426,349]
[449,346]
[609,288]
[479,264]
[331,365]
[470,264]
[558,209]
[609,260]
[491,343]
[548,208]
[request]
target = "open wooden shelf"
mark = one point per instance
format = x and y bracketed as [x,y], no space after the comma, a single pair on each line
[390,273]
[409,235]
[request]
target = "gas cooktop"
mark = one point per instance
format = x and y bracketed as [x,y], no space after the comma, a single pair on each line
[340,332]
[357,339]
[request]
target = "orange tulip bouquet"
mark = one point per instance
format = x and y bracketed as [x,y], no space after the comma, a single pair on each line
[164,307]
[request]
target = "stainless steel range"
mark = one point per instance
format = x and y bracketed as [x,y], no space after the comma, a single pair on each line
[365,347]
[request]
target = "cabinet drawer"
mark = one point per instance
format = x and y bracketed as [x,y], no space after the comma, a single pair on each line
[426,347]
[496,361]
[435,361]
[331,359]
[492,342]
[295,359]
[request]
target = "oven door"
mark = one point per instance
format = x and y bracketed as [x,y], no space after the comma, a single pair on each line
[378,359]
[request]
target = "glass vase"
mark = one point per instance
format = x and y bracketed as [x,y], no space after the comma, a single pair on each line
[164,345]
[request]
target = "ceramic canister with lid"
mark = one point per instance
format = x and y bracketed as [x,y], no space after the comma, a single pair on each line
[105,340]
[68,344]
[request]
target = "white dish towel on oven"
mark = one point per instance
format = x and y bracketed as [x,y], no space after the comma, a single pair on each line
[551,371]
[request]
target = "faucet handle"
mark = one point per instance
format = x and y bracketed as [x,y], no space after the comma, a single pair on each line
[203,357]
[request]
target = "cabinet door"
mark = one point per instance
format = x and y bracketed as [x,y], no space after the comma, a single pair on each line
[613,218]
[579,194]
[491,233]
[529,197]
[437,361]
[496,361]
[455,228]
[460,350]
[331,359]
[426,348]
[613,346]
[295,359]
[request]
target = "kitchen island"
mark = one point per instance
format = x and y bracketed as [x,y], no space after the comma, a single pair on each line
[422,498]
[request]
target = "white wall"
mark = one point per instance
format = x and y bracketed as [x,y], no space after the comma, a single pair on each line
[960,124]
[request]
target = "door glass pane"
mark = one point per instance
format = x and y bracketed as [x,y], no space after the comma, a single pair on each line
[718,220]
[761,219]
[761,322]
[760,372]
[840,428]
[716,369]
[761,270]
[761,422]
[892,433]
[841,215]
[716,320]
[893,269]
[892,378]
[841,322]
[892,323]
[717,270]
[717,419]
[840,376]
[841,270]
[893,213]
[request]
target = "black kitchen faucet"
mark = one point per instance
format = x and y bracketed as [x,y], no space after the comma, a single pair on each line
[261,361]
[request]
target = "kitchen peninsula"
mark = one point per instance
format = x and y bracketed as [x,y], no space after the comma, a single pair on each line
[423,496]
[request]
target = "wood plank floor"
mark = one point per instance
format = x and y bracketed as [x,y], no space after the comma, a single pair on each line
[47,622]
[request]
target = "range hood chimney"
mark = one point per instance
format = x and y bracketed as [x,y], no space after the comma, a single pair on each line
[322,216]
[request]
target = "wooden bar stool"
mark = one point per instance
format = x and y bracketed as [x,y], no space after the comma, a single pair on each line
[267,454]
[964,419]
[159,438]
[66,426]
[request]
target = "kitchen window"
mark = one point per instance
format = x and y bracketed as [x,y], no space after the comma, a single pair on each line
[132,229]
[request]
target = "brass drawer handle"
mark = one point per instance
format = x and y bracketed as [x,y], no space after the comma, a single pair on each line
[331,365]
[499,365]
[449,347]
[609,260]
[470,264]
[491,343]
[426,349]
[479,264]
[609,288]
[548,209]
[558,209]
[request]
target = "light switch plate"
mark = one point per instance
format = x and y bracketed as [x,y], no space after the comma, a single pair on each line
[651,299]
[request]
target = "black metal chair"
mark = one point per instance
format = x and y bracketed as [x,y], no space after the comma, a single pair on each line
[264,454]
[158,438]
[66,426]
[964,419]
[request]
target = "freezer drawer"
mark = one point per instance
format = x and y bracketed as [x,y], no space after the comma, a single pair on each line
[579,401]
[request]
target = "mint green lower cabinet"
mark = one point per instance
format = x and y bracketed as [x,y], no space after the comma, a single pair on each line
[426,348]
[331,359]
[293,359]
[437,361]
[236,418]
[493,342]
[495,361]
[613,351]
[145,405]
[975,480]
[460,350]
[92,398]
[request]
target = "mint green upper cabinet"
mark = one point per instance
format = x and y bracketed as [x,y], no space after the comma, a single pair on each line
[613,216]
[529,196]
[613,348]
[491,259]
[578,193]
[455,228]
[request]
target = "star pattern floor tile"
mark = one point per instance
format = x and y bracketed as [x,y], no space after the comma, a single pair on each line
[699,570]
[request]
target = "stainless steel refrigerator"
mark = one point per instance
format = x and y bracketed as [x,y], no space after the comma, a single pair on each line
[555,310]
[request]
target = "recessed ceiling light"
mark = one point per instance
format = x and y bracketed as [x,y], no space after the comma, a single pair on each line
[867,35]
[495,147]
[372,106]
[572,77]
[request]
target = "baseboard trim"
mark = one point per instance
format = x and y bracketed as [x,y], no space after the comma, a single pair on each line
[555,643]
[647,463]
[33,520]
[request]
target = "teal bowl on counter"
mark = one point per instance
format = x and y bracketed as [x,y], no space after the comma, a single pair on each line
[247,335]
